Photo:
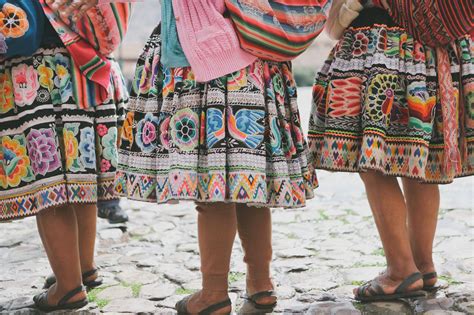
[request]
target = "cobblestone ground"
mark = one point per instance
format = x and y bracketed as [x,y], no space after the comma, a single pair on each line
[321,253]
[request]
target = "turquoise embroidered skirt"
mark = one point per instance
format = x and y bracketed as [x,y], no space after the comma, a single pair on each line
[51,151]
[234,139]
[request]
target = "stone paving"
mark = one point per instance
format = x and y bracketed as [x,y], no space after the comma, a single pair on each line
[320,253]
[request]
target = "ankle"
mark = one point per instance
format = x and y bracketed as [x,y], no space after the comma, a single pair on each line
[426,267]
[259,285]
[399,273]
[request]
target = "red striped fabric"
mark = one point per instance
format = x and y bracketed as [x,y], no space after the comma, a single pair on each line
[434,22]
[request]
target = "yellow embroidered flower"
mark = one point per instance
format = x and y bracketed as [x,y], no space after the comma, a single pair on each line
[61,71]
[46,75]
[6,93]
[14,162]
[13,21]
[70,147]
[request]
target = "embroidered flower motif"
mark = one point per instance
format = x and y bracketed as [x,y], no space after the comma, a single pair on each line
[102,130]
[71,147]
[237,80]
[164,133]
[127,129]
[25,84]
[105,165]
[63,77]
[46,75]
[184,129]
[43,151]
[146,133]
[87,147]
[14,162]
[109,145]
[6,93]
[13,21]
[360,44]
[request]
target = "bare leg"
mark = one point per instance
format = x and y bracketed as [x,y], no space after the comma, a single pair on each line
[86,216]
[390,213]
[58,230]
[423,204]
[217,227]
[255,232]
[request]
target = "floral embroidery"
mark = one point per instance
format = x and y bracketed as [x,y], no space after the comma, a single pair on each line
[6,93]
[109,144]
[13,21]
[87,147]
[237,79]
[127,129]
[164,133]
[71,146]
[105,165]
[184,129]
[146,133]
[43,151]
[14,162]
[63,77]
[25,83]
[46,75]
[102,130]
[360,44]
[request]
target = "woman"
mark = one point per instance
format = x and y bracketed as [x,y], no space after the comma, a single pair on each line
[218,127]
[379,109]
[58,157]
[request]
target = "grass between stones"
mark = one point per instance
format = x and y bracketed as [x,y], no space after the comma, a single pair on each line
[183,291]
[236,276]
[92,297]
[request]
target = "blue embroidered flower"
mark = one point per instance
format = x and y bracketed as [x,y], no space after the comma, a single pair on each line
[87,147]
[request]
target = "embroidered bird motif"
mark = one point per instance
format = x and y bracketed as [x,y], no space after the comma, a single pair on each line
[246,127]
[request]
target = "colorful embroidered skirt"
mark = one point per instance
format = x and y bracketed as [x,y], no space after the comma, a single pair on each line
[376,106]
[52,152]
[234,139]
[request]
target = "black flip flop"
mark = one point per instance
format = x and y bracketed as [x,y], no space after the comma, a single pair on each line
[41,301]
[255,297]
[89,284]
[378,294]
[433,287]
[182,307]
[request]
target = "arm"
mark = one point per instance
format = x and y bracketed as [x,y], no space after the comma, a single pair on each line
[341,15]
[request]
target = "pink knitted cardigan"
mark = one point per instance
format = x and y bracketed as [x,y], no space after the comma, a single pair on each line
[209,40]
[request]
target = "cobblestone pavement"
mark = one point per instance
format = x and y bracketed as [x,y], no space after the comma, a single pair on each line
[321,253]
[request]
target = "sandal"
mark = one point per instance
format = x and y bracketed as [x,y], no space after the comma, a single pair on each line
[433,287]
[255,297]
[182,307]
[376,292]
[89,284]
[41,301]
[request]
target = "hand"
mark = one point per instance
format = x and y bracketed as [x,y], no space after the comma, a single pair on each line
[72,8]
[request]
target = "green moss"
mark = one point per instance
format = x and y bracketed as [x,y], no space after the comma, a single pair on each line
[357,283]
[235,276]
[379,252]
[183,291]
[449,280]
[136,288]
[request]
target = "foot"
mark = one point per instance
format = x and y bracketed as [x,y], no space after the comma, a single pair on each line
[429,274]
[387,284]
[55,295]
[114,214]
[254,287]
[201,300]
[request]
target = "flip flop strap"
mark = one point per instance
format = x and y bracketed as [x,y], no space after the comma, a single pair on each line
[215,307]
[430,275]
[89,273]
[70,294]
[414,277]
